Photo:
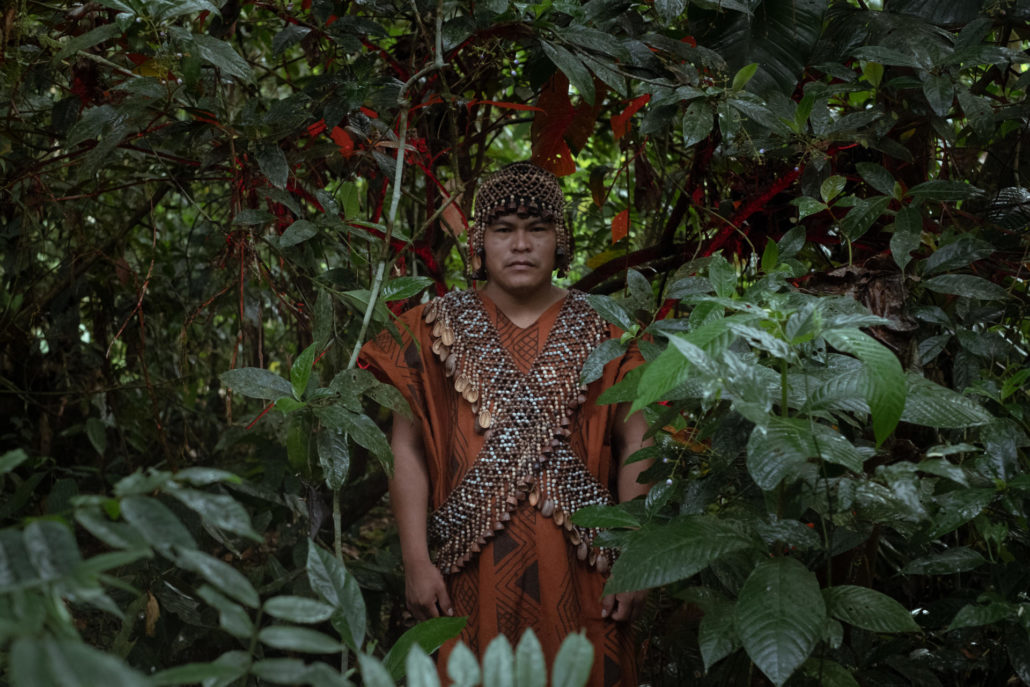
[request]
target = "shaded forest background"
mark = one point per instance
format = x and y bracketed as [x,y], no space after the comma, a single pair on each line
[811,215]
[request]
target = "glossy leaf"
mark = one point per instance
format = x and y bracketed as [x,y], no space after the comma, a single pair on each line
[868,609]
[257,383]
[219,510]
[299,639]
[967,285]
[428,634]
[158,525]
[297,609]
[886,394]
[331,580]
[579,76]
[220,575]
[779,616]
[663,553]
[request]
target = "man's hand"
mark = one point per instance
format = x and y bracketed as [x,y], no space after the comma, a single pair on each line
[426,592]
[624,606]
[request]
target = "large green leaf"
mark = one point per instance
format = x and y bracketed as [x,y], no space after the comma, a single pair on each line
[194,673]
[779,38]
[429,634]
[420,669]
[499,663]
[662,553]
[868,609]
[573,67]
[886,394]
[297,609]
[302,639]
[530,667]
[573,663]
[52,549]
[219,510]
[780,616]
[463,667]
[44,662]
[220,575]
[331,580]
[257,383]
[972,615]
[158,525]
[222,56]
[333,456]
[933,405]
[717,634]
[967,285]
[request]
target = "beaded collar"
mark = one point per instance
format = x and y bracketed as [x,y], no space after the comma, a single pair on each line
[525,417]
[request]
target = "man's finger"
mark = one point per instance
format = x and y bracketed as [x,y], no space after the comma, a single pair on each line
[607,604]
[445,602]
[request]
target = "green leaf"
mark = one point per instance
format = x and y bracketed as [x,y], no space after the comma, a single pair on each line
[290,35]
[85,41]
[298,609]
[827,673]
[203,476]
[281,671]
[943,190]
[232,617]
[593,366]
[967,285]
[298,232]
[220,575]
[939,90]
[220,510]
[958,507]
[868,609]
[158,525]
[669,9]
[463,667]
[808,206]
[421,671]
[957,254]
[877,177]
[698,122]
[41,662]
[334,457]
[957,559]
[608,308]
[832,187]
[530,667]
[12,459]
[222,56]
[933,405]
[428,634]
[605,517]
[886,393]
[573,663]
[115,534]
[972,615]
[97,434]
[52,548]
[373,674]
[331,580]
[662,553]
[887,56]
[499,663]
[908,235]
[300,373]
[861,217]
[404,287]
[744,75]
[572,67]
[300,639]
[256,383]
[366,432]
[194,673]
[770,256]
[273,164]
[779,616]
[717,636]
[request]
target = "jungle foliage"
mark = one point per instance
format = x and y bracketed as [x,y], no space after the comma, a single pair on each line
[810,215]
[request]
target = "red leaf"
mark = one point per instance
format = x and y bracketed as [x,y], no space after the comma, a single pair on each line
[620,226]
[550,151]
[343,141]
[620,122]
[510,106]
[369,113]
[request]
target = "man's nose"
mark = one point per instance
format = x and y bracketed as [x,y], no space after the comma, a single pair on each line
[521,239]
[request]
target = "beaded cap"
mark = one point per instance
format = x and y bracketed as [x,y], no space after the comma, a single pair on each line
[514,186]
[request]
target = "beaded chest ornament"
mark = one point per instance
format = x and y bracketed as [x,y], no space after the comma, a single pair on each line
[525,417]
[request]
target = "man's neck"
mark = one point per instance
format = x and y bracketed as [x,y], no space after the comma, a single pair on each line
[523,309]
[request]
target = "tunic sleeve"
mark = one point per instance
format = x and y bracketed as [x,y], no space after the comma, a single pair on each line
[398,362]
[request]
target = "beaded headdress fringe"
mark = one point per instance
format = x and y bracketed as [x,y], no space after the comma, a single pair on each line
[526,454]
[518,185]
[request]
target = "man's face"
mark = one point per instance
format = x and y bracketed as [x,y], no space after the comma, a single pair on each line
[520,252]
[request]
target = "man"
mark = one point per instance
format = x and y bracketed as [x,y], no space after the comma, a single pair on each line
[506,445]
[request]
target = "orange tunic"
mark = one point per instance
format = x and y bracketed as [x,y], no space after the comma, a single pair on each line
[528,575]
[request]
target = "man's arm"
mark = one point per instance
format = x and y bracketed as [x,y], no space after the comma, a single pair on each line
[409,496]
[628,438]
